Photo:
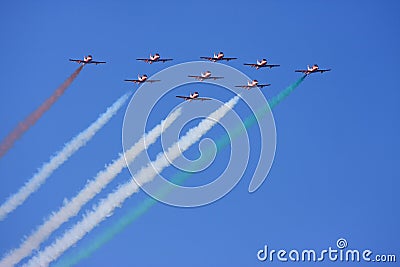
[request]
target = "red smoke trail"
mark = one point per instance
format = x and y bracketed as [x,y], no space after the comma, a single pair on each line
[23,126]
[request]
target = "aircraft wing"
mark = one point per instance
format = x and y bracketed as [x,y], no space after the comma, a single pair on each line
[189,98]
[251,64]
[152,81]
[228,58]
[322,71]
[164,59]
[77,60]
[183,97]
[134,81]
[208,58]
[144,59]
[309,72]
[201,78]
[243,86]
[196,76]
[249,87]
[271,65]
[96,62]
[263,85]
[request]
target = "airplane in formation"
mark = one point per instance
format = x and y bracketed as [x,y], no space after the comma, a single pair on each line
[194,96]
[261,64]
[155,58]
[141,79]
[253,83]
[218,57]
[205,76]
[312,69]
[87,60]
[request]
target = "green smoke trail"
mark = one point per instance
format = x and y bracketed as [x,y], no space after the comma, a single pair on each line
[248,122]
[179,178]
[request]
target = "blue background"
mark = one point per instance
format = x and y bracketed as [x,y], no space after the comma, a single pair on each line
[336,169]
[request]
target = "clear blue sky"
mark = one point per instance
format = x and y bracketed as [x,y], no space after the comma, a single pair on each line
[336,169]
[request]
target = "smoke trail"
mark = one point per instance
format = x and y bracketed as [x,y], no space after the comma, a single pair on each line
[23,126]
[285,93]
[115,199]
[56,161]
[135,212]
[92,188]
[260,113]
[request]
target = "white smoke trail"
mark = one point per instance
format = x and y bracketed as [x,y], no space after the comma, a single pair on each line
[92,188]
[115,199]
[56,161]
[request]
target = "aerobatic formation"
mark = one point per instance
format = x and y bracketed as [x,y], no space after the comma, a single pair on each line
[206,75]
[8,142]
